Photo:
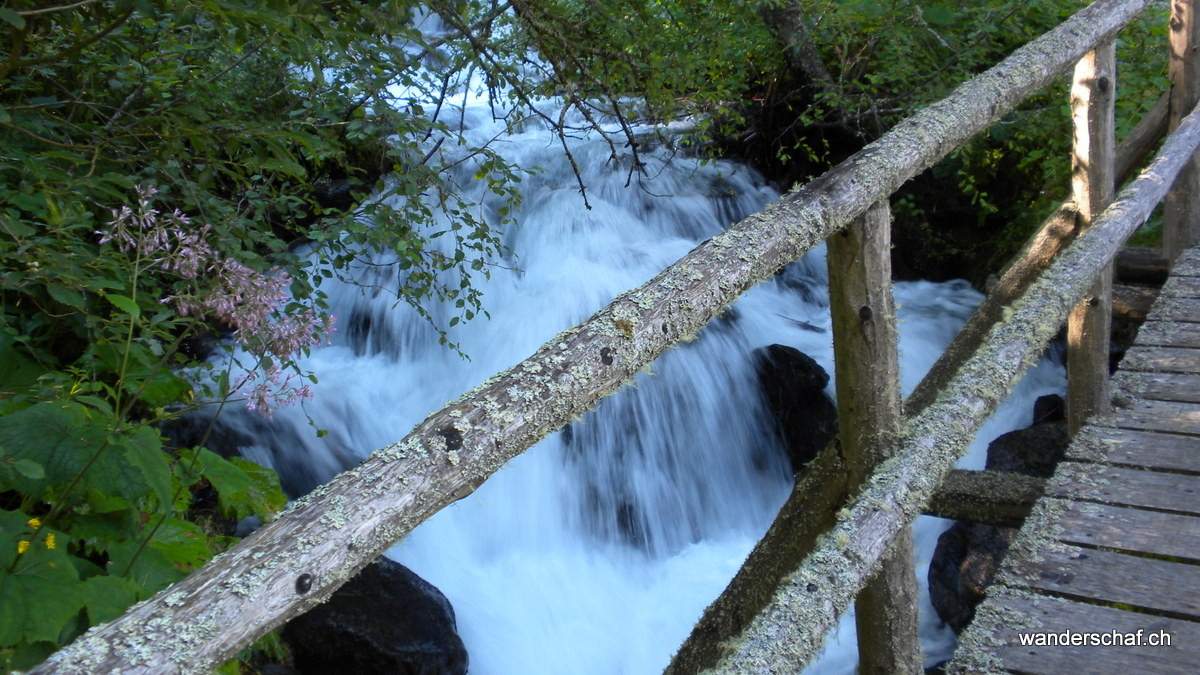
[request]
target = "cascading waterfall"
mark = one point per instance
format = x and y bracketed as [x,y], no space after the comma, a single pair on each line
[597,550]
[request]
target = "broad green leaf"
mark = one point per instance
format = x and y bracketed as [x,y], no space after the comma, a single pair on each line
[39,590]
[108,597]
[101,531]
[939,15]
[163,389]
[29,468]
[125,304]
[19,371]
[183,543]
[243,487]
[143,449]
[57,435]
[64,437]
[68,296]
[17,21]
[147,567]
[98,403]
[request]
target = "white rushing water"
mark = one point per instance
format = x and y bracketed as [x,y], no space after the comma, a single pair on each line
[597,550]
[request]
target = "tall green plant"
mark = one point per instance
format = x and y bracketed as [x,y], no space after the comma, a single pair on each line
[95,513]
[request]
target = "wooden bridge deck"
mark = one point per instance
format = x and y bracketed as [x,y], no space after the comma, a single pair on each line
[1114,545]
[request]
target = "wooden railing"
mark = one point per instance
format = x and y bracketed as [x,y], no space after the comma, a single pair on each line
[815,559]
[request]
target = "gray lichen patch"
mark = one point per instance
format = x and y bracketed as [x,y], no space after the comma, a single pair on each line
[1007,613]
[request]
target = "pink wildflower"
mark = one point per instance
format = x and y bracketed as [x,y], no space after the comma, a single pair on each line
[252,303]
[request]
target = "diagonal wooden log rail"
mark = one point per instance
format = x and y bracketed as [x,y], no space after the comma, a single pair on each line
[791,629]
[295,562]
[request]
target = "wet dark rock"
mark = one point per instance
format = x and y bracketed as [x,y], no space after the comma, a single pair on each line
[793,385]
[1034,451]
[963,566]
[1049,408]
[969,554]
[385,620]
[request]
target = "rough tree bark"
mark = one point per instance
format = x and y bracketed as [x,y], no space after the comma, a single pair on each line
[1058,230]
[1181,216]
[791,628]
[867,364]
[993,497]
[295,562]
[1093,166]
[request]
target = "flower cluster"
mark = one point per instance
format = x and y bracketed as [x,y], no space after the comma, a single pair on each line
[36,524]
[253,304]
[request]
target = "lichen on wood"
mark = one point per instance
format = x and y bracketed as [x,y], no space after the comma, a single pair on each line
[792,627]
[400,486]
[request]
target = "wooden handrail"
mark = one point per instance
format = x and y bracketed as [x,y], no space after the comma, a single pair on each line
[791,628]
[294,563]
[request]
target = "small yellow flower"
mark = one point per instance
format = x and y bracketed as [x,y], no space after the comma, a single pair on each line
[50,540]
[22,546]
[35,523]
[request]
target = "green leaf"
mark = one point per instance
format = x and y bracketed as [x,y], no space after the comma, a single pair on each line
[11,16]
[64,437]
[243,487]
[124,304]
[143,449]
[39,593]
[67,296]
[148,567]
[939,15]
[29,468]
[56,435]
[108,597]
[183,543]
[163,389]
[19,371]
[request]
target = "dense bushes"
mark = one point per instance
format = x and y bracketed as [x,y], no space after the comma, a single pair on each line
[158,158]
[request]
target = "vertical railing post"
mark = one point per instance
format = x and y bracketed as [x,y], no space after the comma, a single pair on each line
[1181,213]
[869,419]
[1093,175]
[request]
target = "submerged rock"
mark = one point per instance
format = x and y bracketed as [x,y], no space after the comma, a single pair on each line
[969,554]
[794,387]
[385,620]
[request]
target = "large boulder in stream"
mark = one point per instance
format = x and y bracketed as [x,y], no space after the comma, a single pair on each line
[385,620]
[968,555]
[793,385]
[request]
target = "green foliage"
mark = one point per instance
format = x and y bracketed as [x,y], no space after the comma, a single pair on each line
[887,57]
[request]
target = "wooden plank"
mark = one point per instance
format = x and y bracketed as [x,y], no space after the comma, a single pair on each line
[1171,452]
[1159,386]
[1162,359]
[1127,487]
[1182,287]
[1127,529]
[1147,584]
[1169,334]
[1188,264]
[1168,416]
[1006,616]
[1175,309]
